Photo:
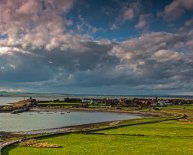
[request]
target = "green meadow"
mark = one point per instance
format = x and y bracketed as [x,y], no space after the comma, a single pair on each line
[168,128]
[93,144]
[147,136]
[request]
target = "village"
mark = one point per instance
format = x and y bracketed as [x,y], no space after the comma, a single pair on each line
[138,103]
[117,102]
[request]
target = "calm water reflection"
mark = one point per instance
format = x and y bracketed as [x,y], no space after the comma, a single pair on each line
[44,120]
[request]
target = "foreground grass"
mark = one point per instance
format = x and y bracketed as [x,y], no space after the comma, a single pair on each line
[86,144]
[168,128]
[141,137]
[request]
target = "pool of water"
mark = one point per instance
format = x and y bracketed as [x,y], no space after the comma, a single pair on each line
[44,120]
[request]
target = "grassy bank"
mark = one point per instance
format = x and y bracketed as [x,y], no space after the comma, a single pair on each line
[158,135]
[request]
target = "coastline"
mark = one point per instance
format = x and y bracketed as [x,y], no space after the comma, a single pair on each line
[146,114]
[66,129]
[141,113]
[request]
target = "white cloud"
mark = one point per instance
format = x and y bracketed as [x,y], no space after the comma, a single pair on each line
[143,21]
[131,10]
[4,50]
[128,14]
[166,55]
[11,90]
[177,8]
[33,23]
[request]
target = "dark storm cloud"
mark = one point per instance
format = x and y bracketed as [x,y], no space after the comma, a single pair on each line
[23,68]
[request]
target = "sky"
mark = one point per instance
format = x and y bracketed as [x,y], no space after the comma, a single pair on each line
[128,47]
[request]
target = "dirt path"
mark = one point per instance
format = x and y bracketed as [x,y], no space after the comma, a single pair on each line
[4,144]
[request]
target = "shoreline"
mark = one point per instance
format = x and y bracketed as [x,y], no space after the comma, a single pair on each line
[148,113]
[142,113]
[64,129]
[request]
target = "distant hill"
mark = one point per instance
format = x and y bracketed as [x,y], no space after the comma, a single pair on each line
[27,94]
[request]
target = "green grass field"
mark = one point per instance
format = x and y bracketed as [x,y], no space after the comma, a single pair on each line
[171,137]
[179,107]
[168,128]
[91,144]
